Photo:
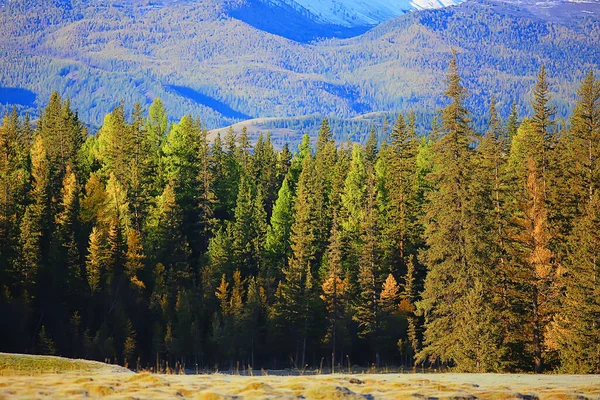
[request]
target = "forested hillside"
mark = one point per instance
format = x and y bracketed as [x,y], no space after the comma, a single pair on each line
[201,60]
[147,244]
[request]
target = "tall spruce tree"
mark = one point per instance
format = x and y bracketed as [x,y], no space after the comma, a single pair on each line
[295,295]
[576,327]
[334,289]
[455,270]
[34,227]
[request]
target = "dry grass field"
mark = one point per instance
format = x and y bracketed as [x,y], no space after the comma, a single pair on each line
[33,377]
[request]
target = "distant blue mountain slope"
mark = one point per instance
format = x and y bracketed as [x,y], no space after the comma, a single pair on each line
[102,52]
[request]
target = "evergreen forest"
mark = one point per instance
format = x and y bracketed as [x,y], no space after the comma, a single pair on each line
[152,246]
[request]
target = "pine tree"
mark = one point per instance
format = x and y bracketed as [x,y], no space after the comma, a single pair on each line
[334,289]
[249,229]
[389,299]
[371,148]
[253,315]
[13,178]
[155,131]
[294,297]
[62,135]
[263,170]
[228,178]
[396,172]
[243,150]
[67,268]
[489,195]
[389,296]
[34,228]
[583,174]
[532,271]
[116,146]
[454,267]
[167,244]
[134,263]
[536,261]
[96,260]
[370,270]
[206,195]
[219,259]
[576,326]
[407,306]
[304,150]
[284,162]
[512,125]
[542,119]
[278,244]
[353,200]
[325,158]
[116,205]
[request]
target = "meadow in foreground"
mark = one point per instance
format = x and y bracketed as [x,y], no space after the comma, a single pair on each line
[54,377]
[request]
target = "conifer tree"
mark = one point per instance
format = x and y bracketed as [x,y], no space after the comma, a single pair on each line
[353,200]
[115,146]
[253,315]
[66,260]
[181,160]
[534,270]
[396,172]
[370,270]
[93,204]
[34,227]
[167,244]
[155,132]
[512,124]
[407,306]
[248,229]
[219,259]
[13,178]
[63,136]
[454,267]
[243,150]
[576,327]
[371,148]
[206,195]
[583,173]
[96,259]
[278,244]
[334,289]
[325,158]
[489,195]
[284,162]
[304,150]
[134,258]
[389,296]
[294,297]
[542,119]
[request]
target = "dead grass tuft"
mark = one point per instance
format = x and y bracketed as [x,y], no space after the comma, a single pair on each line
[83,380]
[99,390]
[212,396]
[148,378]
[332,392]
[261,386]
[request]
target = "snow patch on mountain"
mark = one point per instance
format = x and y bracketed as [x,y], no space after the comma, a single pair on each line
[350,13]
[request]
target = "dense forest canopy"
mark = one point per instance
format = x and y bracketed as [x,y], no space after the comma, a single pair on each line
[150,245]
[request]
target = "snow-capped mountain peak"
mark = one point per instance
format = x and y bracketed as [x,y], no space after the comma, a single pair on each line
[352,13]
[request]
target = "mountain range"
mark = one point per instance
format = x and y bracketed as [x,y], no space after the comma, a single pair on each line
[228,61]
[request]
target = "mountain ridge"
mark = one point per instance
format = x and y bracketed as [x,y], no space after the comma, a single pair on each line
[133,54]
